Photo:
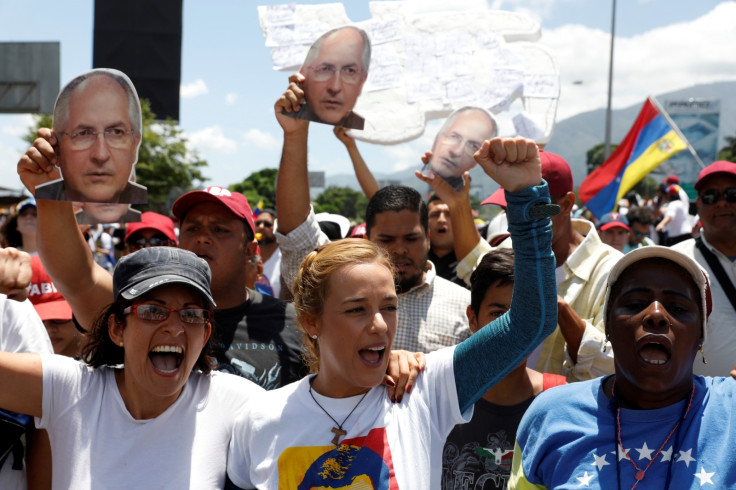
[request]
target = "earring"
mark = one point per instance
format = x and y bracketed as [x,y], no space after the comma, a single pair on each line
[314,336]
[121,343]
[702,353]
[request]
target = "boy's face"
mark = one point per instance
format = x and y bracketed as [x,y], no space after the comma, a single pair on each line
[495,303]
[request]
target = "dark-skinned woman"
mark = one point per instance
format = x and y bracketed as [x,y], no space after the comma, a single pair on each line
[653,424]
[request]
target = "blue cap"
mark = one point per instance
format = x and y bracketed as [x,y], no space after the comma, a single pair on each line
[26,203]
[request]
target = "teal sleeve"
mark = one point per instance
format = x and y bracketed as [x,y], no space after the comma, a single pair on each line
[492,352]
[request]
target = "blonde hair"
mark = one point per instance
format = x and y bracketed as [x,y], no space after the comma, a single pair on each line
[312,282]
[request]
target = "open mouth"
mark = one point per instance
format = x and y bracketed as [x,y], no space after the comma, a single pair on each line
[654,353]
[372,355]
[166,358]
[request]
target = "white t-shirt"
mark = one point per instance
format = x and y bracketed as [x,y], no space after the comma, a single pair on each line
[272,270]
[284,440]
[97,444]
[21,330]
[679,219]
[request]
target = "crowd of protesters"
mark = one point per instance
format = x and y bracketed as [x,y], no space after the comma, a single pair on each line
[215,347]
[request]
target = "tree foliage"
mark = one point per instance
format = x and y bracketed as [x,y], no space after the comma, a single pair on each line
[259,186]
[728,152]
[594,157]
[165,165]
[342,200]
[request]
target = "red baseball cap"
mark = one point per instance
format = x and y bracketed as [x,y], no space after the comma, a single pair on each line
[613,220]
[49,303]
[719,167]
[152,221]
[672,179]
[236,202]
[556,171]
[498,198]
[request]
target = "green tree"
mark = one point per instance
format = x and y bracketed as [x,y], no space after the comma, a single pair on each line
[259,186]
[165,165]
[594,156]
[342,200]
[728,152]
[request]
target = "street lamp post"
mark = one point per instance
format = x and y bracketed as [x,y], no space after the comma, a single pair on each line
[607,147]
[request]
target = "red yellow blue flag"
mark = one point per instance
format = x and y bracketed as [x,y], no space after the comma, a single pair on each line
[650,141]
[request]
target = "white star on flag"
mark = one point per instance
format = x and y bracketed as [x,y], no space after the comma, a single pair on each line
[585,479]
[622,453]
[667,454]
[704,477]
[600,461]
[645,452]
[685,457]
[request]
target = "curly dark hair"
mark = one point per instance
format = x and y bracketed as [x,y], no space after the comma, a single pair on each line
[9,234]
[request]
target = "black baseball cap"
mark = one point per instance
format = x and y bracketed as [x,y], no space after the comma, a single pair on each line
[148,268]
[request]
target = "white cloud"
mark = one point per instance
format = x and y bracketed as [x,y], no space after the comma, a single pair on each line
[408,155]
[19,125]
[658,61]
[212,140]
[261,139]
[231,98]
[194,89]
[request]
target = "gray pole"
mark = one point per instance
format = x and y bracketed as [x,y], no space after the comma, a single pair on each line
[607,147]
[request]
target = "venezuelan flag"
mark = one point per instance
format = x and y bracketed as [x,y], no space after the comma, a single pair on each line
[650,141]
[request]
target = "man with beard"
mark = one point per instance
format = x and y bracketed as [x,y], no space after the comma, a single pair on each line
[270,253]
[431,309]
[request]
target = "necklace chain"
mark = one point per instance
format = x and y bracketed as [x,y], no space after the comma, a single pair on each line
[338,431]
[640,474]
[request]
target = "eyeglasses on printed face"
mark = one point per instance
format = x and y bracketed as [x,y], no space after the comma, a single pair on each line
[469,146]
[137,242]
[348,74]
[711,196]
[156,313]
[83,139]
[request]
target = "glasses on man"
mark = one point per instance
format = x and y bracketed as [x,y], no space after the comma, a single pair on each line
[348,74]
[639,234]
[83,139]
[157,313]
[454,139]
[137,242]
[712,196]
[265,224]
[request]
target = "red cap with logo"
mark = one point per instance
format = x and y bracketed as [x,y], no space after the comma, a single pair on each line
[49,303]
[498,198]
[236,202]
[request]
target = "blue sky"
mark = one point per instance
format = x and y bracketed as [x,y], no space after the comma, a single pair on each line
[228,85]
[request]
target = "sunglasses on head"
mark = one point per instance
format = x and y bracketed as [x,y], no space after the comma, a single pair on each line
[711,196]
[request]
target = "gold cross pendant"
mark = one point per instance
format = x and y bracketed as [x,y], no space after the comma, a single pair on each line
[338,433]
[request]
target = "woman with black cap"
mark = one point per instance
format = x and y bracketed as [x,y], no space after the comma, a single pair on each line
[652,424]
[145,411]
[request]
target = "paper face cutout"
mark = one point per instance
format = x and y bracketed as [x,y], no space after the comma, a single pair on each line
[335,68]
[97,124]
